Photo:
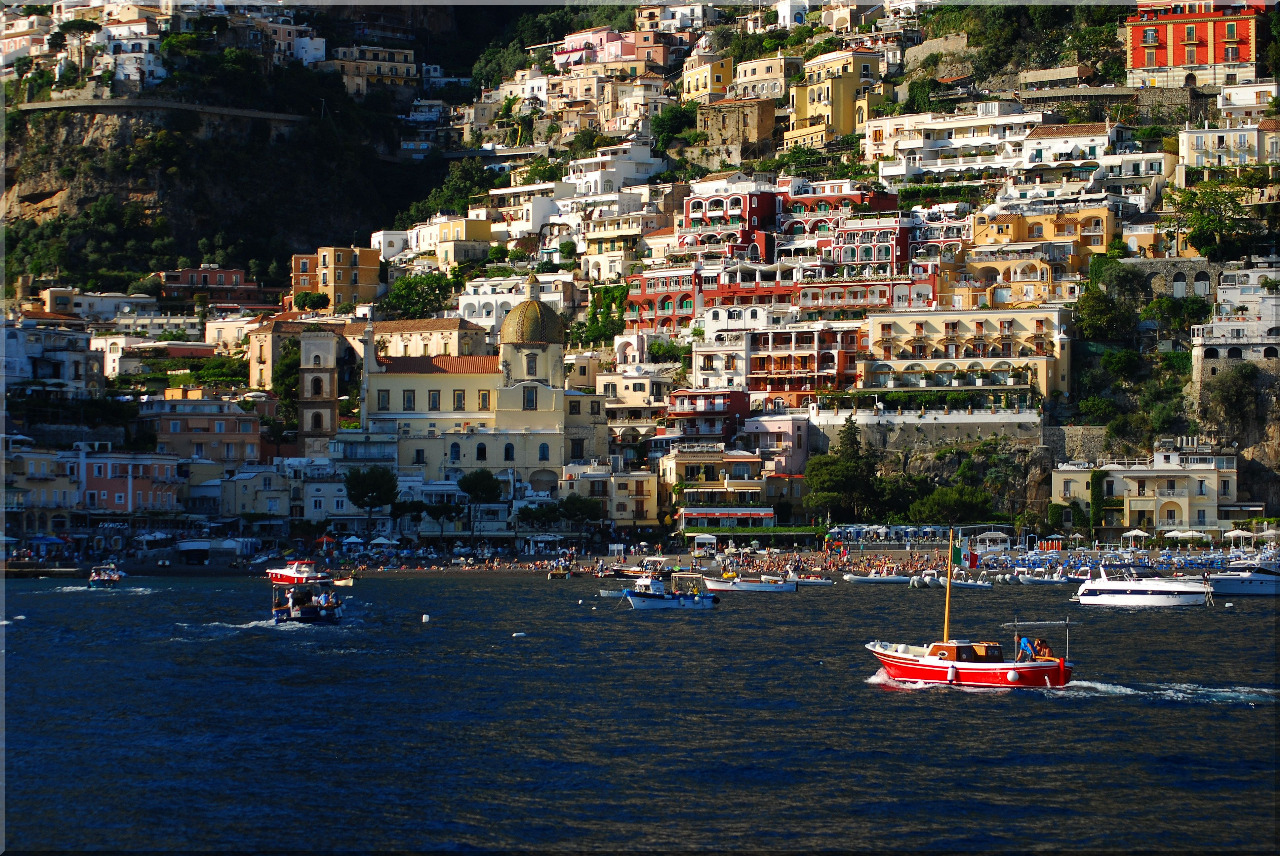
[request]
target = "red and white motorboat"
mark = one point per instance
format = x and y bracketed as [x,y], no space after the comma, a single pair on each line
[960,662]
[298,573]
[963,663]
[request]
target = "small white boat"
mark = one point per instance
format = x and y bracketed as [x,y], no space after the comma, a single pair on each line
[612,593]
[1141,587]
[745,584]
[960,579]
[687,592]
[810,580]
[1041,577]
[878,578]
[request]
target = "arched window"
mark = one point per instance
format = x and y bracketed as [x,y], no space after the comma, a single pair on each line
[1268,353]
[509,452]
[315,361]
[715,316]
[317,387]
[1235,354]
[1210,353]
[482,452]
[544,452]
[531,364]
[317,422]
[455,452]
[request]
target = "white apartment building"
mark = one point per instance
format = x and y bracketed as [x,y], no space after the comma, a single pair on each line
[951,147]
[1247,100]
[721,358]
[487,300]
[612,168]
[389,243]
[56,360]
[1245,325]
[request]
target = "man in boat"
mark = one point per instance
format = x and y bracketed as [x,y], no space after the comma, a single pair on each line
[1026,652]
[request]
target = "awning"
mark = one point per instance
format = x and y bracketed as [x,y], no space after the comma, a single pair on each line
[1022,247]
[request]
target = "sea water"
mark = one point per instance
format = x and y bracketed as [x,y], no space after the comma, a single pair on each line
[172,714]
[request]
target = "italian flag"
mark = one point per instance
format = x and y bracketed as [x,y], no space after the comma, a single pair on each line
[961,555]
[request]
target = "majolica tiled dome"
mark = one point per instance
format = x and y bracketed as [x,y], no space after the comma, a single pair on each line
[532,322]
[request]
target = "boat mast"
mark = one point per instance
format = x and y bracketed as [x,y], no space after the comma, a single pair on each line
[946,615]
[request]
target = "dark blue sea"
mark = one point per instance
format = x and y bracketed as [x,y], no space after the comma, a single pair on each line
[170,714]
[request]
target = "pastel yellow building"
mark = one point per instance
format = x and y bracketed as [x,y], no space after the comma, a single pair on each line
[345,274]
[837,98]
[706,80]
[510,413]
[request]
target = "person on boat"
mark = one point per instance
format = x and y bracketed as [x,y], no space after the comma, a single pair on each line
[1042,650]
[1026,653]
[289,598]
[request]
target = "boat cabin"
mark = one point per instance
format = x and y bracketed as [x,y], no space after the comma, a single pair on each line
[963,651]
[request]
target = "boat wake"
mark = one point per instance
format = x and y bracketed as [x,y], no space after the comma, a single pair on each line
[121,589]
[1186,693]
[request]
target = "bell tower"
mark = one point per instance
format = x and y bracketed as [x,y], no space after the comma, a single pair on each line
[317,392]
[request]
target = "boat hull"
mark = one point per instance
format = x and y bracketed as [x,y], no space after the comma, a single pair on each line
[806,582]
[102,584]
[1136,593]
[307,614]
[911,668]
[749,585]
[669,601]
[1244,584]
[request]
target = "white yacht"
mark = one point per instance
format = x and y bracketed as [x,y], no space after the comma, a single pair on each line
[1132,586]
[1246,578]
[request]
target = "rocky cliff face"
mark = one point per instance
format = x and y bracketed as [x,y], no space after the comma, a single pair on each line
[272,184]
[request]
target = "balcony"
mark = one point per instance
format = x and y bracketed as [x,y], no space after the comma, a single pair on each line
[1164,493]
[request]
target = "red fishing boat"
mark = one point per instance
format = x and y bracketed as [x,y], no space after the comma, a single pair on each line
[982,664]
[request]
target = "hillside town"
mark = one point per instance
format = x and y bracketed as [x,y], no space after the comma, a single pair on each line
[749,270]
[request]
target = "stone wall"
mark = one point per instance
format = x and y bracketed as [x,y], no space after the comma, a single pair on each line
[1160,273]
[912,432]
[1075,442]
[62,436]
[950,44]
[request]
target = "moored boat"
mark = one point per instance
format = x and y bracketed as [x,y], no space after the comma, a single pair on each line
[1243,579]
[881,578]
[747,584]
[1135,586]
[688,591]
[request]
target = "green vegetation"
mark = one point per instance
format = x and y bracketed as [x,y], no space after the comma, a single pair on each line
[481,486]
[668,352]
[1035,36]
[1215,220]
[604,317]
[673,121]
[418,296]
[285,382]
[371,489]
[465,178]
[308,300]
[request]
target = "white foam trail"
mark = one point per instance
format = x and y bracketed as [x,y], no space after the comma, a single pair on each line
[19,618]
[2,623]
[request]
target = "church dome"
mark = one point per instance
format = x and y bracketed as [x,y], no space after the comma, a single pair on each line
[532,322]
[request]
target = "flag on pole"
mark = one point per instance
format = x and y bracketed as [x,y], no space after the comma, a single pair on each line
[962,556]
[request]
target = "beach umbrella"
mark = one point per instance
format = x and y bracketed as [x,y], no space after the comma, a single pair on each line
[1268,533]
[353,540]
[1135,533]
[5,539]
[1237,533]
[1184,535]
[325,540]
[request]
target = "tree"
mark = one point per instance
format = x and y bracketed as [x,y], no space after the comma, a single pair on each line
[371,489]
[284,381]
[498,253]
[419,296]
[1213,217]
[952,506]
[674,119]
[1103,317]
[843,483]
[481,486]
[79,29]
[568,250]
[307,300]
[1233,397]
[442,511]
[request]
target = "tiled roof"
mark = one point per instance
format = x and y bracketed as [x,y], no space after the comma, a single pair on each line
[419,325]
[1269,124]
[1089,129]
[1006,218]
[440,365]
[658,233]
[715,176]
[41,315]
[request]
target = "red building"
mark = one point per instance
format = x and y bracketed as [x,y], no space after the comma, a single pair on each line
[1204,43]
[219,285]
[708,415]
